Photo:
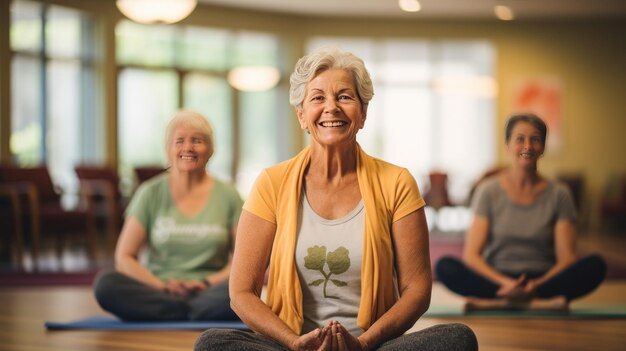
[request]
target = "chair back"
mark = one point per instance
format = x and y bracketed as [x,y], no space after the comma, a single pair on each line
[437,194]
[38,176]
[144,173]
[576,184]
[103,173]
[92,172]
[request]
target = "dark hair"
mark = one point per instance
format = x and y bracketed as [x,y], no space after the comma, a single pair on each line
[529,118]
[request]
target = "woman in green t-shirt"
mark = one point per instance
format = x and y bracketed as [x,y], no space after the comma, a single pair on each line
[186,219]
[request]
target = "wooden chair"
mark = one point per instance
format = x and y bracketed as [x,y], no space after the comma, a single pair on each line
[42,213]
[144,173]
[11,224]
[437,194]
[100,186]
[576,184]
[613,205]
[575,181]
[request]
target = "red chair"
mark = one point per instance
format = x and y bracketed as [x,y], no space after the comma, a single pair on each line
[613,205]
[144,173]
[12,236]
[42,213]
[437,194]
[576,184]
[100,186]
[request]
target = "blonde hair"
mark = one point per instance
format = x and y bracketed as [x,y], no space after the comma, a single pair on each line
[193,120]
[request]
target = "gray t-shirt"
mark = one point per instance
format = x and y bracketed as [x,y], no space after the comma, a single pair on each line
[521,237]
[328,260]
[180,246]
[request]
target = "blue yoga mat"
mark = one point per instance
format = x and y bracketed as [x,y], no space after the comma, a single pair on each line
[113,323]
[586,312]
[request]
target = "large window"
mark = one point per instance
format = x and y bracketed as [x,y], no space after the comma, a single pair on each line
[164,68]
[54,120]
[434,106]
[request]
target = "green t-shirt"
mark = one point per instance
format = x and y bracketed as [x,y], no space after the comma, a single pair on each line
[180,246]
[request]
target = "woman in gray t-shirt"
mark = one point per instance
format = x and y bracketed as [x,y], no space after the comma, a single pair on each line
[520,248]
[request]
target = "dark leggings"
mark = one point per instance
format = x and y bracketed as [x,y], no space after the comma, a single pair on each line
[444,337]
[132,300]
[579,279]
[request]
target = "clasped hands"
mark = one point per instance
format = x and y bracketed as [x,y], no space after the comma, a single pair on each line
[521,288]
[332,337]
[182,288]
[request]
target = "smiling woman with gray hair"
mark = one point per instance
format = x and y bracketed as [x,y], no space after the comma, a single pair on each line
[344,235]
[187,219]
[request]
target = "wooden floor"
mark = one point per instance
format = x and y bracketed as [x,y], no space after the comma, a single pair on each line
[24,310]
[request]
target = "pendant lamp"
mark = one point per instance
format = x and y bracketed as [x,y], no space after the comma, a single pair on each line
[156,11]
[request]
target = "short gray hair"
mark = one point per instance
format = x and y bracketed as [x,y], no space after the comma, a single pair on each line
[194,120]
[323,59]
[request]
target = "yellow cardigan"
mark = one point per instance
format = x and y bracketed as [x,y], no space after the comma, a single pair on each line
[388,192]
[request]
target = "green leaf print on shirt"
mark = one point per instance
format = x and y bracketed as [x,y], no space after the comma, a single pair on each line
[338,262]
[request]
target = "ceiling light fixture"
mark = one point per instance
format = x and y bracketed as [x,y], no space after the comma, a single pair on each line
[253,78]
[156,11]
[409,5]
[504,13]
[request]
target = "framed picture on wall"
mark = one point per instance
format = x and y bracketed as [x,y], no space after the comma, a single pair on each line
[542,96]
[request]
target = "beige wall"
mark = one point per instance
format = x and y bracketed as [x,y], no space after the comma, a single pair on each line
[587,56]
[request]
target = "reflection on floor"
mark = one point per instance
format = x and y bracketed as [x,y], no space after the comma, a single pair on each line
[74,258]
